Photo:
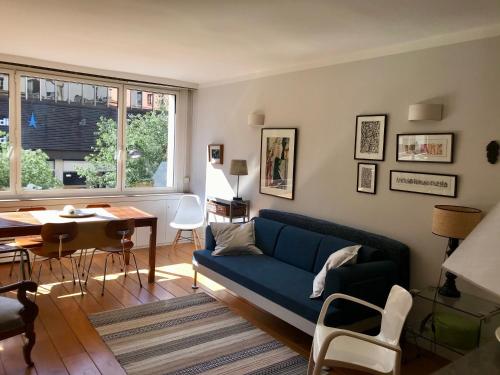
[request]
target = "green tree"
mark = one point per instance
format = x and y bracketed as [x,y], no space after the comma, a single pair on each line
[147,139]
[35,169]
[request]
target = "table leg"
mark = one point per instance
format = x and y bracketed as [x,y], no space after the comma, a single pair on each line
[152,252]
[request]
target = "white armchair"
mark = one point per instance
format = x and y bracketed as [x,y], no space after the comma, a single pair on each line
[378,354]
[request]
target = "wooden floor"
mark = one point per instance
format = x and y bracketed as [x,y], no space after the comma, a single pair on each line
[68,344]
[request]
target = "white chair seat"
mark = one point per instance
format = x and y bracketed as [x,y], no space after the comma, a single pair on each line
[182,226]
[350,350]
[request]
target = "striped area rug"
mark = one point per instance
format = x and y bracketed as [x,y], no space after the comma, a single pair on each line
[192,335]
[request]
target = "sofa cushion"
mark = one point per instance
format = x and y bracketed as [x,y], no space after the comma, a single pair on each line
[266,234]
[370,254]
[298,247]
[277,281]
[329,245]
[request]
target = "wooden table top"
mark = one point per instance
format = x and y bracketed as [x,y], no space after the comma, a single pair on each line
[24,223]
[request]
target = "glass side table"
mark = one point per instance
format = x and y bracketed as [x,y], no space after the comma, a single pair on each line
[470,306]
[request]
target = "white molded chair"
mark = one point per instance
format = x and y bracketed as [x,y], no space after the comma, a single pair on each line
[189,217]
[379,354]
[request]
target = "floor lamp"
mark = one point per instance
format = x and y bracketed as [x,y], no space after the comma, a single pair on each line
[477,259]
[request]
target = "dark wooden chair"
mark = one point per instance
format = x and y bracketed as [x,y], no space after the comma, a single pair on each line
[26,242]
[17,316]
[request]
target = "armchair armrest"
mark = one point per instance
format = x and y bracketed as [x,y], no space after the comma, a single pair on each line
[22,287]
[360,336]
[335,296]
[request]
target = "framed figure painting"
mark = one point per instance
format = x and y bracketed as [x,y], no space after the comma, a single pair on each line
[277,162]
[216,154]
[370,137]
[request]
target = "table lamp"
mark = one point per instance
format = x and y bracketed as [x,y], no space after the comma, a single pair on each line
[455,223]
[477,259]
[238,168]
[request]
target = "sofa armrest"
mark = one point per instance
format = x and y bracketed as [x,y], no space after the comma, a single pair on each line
[209,239]
[370,282]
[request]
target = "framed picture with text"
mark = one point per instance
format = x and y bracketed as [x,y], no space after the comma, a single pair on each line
[425,148]
[277,162]
[370,137]
[367,178]
[444,185]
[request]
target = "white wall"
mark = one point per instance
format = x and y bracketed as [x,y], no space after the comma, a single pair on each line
[323,103]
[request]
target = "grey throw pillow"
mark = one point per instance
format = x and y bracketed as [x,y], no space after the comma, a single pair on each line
[335,260]
[234,239]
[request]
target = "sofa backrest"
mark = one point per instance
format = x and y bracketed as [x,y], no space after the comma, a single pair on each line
[331,237]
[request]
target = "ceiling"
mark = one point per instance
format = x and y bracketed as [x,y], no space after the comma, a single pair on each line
[210,41]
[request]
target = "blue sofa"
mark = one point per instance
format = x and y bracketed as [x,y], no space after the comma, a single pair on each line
[295,249]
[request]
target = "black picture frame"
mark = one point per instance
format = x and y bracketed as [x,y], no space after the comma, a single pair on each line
[269,190]
[358,155]
[452,148]
[454,176]
[374,165]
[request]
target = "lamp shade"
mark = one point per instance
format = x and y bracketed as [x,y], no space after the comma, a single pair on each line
[477,259]
[238,168]
[454,221]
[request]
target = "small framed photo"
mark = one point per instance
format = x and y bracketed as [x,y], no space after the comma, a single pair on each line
[370,137]
[444,185]
[277,162]
[425,148]
[216,154]
[367,178]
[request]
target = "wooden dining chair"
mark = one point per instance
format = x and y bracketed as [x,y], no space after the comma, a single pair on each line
[54,236]
[26,242]
[121,231]
[83,252]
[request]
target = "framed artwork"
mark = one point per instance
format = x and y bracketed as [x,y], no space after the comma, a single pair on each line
[277,162]
[216,154]
[425,148]
[444,185]
[367,178]
[370,137]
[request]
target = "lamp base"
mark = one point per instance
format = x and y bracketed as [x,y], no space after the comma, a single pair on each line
[449,288]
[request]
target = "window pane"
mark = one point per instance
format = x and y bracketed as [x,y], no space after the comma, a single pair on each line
[69,142]
[149,139]
[4,133]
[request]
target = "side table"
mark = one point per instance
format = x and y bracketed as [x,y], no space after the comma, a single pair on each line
[231,209]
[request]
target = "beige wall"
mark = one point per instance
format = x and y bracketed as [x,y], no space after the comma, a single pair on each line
[323,103]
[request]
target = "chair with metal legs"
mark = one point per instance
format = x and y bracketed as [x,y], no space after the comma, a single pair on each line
[25,242]
[83,252]
[54,236]
[119,233]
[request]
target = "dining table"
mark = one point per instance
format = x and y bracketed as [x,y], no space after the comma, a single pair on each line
[27,223]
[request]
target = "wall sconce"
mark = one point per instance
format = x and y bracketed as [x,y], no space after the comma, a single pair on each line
[256,119]
[425,112]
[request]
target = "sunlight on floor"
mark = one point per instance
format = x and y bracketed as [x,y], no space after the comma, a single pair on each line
[46,288]
[186,270]
[78,294]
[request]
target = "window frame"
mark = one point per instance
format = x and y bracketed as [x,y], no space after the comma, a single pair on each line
[16,190]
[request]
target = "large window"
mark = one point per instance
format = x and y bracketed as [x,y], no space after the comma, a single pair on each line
[79,135]
[149,128]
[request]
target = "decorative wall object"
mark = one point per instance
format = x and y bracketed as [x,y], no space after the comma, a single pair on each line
[427,148]
[425,112]
[216,154]
[367,178]
[370,137]
[256,119]
[492,152]
[277,162]
[424,183]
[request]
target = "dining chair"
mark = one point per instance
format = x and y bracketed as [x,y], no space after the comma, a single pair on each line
[380,354]
[26,242]
[119,233]
[54,236]
[17,316]
[188,217]
[83,252]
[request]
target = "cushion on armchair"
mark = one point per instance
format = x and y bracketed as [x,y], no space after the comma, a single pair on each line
[9,314]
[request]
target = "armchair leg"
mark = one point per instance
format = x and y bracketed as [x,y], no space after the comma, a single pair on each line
[310,366]
[30,342]
[195,281]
